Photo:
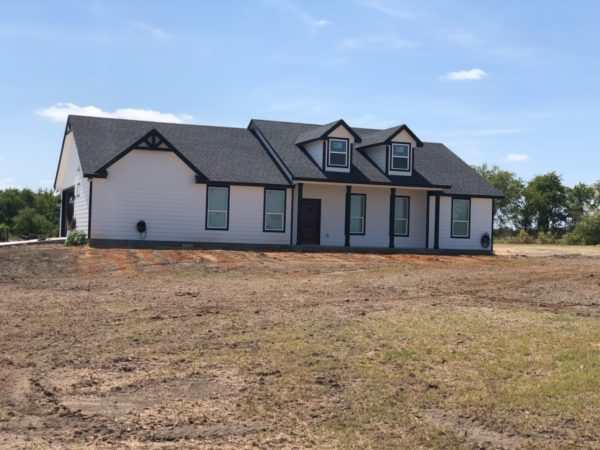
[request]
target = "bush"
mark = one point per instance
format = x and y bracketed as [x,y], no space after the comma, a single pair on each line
[587,231]
[4,232]
[545,237]
[76,237]
[29,222]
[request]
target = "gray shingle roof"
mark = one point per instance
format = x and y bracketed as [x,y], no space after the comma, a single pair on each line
[235,155]
[376,137]
[221,154]
[434,166]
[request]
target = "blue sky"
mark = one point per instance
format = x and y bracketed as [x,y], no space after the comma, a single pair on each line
[512,83]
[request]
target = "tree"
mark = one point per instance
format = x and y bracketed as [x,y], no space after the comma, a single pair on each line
[579,202]
[508,209]
[587,230]
[29,221]
[545,202]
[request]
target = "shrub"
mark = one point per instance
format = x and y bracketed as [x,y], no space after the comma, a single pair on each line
[4,232]
[29,222]
[587,231]
[76,237]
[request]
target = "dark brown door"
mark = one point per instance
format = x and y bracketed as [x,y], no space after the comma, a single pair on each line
[311,221]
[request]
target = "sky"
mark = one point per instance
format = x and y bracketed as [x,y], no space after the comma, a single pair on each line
[512,83]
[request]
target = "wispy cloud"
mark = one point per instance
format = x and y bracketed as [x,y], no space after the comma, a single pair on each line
[390,8]
[377,42]
[60,112]
[158,33]
[295,9]
[464,75]
[516,157]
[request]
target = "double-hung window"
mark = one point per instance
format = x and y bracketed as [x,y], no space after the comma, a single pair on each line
[274,210]
[461,216]
[401,214]
[400,157]
[338,153]
[217,208]
[358,203]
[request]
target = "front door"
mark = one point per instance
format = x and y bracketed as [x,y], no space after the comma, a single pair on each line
[311,221]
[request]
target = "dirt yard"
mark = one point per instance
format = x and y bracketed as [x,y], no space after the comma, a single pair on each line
[225,349]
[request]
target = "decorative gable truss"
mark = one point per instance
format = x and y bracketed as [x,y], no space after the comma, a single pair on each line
[153,141]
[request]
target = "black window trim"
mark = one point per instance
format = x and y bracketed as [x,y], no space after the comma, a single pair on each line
[452,235]
[407,197]
[348,155]
[364,229]
[265,209]
[208,186]
[391,157]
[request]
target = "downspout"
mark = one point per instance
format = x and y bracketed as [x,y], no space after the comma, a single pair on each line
[90,213]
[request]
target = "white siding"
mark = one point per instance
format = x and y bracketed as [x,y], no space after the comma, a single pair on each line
[377,223]
[417,220]
[481,222]
[315,150]
[159,188]
[333,207]
[69,175]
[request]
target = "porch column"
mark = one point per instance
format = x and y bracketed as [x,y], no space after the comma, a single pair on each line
[392,215]
[347,218]
[436,231]
[299,229]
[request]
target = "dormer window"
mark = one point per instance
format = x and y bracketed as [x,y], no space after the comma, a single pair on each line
[338,153]
[400,157]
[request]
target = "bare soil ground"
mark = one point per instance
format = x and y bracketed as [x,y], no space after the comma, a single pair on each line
[231,349]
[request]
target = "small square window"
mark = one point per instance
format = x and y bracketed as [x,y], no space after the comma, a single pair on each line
[338,153]
[400,157]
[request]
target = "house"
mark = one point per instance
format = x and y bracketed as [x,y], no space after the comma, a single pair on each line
[136,183]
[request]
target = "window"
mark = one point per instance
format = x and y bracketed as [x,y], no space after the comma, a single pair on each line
[217,208]
[338,153]
[461,216]
[274,219]
[401,213]
[400,159]
[357,213]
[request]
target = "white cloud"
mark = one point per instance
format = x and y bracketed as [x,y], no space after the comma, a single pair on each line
[154,31]
[293,8]
[61,111]
[462,75]
[390,8]
[516,157]
[6,183]
[377,42]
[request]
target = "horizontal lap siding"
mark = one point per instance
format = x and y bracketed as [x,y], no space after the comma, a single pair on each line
[377,229]
[160,189]
[333,206]
[71,174]
[481,222]
[417,220]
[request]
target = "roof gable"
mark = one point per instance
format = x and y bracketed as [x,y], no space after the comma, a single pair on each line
[322,131]
[378,137]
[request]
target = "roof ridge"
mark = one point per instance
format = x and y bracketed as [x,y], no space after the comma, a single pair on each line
[155,122]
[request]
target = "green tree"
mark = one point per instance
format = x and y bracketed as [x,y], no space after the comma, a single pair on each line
[545,203]
[509,209]
[579,202]
[29,221]
[587,230]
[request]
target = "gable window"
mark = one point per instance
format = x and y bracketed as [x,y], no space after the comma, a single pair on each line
[274,210]
[401,215]
[461,217]
[357,213]
[400,157]
[338,153]
[217,208]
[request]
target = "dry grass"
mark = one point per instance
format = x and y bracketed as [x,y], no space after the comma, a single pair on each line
[204,349]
